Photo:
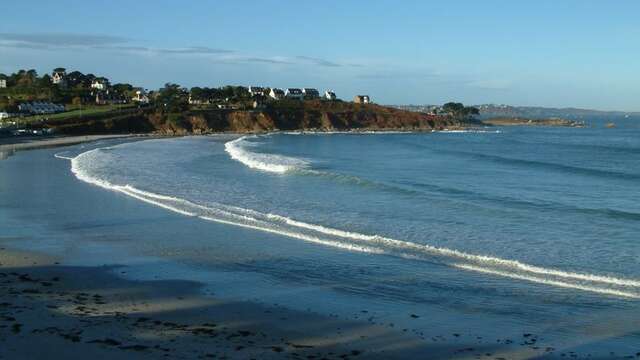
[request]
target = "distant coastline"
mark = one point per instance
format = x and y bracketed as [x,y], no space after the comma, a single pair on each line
[515,121]
[285,116]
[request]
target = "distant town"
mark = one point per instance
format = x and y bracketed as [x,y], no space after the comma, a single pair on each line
[72,102]
[25,93]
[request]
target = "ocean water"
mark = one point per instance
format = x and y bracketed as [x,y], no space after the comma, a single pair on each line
[495,231]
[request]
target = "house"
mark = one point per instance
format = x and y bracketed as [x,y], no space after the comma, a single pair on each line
[228,106]
[329,95]
[256,91]
[105,98]
[58,76]
[198,101]
[276,94]
[4,115]
[361,99]
[294,93]
[100,84]
[3,83]
[310,93]
[140,97]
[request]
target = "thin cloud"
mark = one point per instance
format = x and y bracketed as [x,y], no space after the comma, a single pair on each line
[265,60]
[101,42]
[318,61]
[187,50]
[52,41]
[396,75]
[194,50]
[61,39]
[490,84]
[324,62]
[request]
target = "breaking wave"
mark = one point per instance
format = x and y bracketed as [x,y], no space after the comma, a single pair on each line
[353,241]
[238,151]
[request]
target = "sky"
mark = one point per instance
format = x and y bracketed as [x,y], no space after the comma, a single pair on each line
[567,53]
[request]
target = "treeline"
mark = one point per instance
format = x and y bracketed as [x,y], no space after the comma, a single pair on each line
[459,111]
[28,85]
[173,98]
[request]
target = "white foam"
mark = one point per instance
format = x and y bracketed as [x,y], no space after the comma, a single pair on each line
[238,151]
[373,244]
[60,156]
[550,282]
[469,131]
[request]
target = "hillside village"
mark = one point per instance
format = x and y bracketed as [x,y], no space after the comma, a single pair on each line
[71,102]
[26,94]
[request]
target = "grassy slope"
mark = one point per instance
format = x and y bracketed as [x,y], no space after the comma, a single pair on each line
[76,112]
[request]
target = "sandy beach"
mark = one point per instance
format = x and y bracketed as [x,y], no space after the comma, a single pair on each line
[16,143]
[82,274]
[72,312]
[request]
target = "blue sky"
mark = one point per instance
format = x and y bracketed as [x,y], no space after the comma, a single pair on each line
[548,53]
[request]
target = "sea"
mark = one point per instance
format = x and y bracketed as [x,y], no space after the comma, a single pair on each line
[494,234]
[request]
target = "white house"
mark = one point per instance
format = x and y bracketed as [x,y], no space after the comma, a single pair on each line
[4,115]
[329,95]
[294,93]
[361,99]
[310,93]
[256,90]
[3,83]
[140,97]
[276,93]
[58,76]
[100,84]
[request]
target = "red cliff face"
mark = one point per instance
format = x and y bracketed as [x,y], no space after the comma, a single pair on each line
[285,115]
[319,117]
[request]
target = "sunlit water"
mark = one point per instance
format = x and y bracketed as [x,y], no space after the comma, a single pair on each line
[536,228]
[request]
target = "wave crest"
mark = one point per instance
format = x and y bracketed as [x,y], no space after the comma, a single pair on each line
[372,244]
[238,150]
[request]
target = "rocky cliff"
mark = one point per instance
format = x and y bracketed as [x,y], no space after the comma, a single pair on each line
[284,115]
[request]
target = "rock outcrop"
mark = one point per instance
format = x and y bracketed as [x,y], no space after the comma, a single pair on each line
[285,115]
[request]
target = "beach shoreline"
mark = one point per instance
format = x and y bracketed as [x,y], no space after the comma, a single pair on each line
[114,305]
[18,143]
[90,311]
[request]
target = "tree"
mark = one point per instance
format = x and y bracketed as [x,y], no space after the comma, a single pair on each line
[172,98]
[122,88]
[459,111]
[453,108]
[198,93]
[75,78]
[470,111]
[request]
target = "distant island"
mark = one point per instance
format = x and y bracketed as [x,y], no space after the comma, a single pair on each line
[487,111]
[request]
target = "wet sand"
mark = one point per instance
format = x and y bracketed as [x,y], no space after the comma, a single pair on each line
[48,310]
[16,143]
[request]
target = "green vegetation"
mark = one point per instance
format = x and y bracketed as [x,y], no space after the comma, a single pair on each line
[27,85]
[459,111]
[172,98]
[77,112]
[226,93]
[94,106]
